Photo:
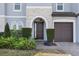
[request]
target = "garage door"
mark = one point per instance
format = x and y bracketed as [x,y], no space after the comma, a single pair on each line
[64,31]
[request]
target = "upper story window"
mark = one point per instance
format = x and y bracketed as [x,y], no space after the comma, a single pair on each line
[17,7]
[59,7]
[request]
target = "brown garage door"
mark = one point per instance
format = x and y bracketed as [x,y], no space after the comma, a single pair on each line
[64,32]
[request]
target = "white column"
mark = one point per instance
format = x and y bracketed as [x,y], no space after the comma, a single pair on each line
[35,30]
[32,30]
[45,34]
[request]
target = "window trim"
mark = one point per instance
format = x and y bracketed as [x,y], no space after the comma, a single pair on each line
[12,24]
[17,25]
[21,23]
[57,8]
[15,9]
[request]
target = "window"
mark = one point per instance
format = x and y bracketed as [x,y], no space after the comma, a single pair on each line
[59,7]
[19,26]
[14,27]
[17,7]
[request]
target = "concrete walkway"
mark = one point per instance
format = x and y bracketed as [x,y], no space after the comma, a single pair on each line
[67,47]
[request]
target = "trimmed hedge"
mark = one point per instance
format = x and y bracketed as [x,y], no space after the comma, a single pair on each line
[50,34]
[26,32]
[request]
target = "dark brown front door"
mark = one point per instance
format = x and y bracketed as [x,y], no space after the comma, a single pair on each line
[64,31]
[39,30]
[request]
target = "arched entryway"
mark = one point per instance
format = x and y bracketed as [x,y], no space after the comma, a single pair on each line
[39,28]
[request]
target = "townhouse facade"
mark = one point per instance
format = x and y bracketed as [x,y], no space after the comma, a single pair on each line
[63,17]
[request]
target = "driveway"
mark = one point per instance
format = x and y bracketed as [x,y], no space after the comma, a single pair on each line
[67,47]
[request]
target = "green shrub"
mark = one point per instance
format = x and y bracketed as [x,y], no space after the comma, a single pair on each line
[50,34]
[1,34]
[32,44]
[11,41]
[1,42]
[16,33]
[19,44]
[26,32]
[24,43]
[7,42]
[14,43]
[7,31]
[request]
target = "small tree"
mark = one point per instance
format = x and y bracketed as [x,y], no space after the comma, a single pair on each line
[7,31]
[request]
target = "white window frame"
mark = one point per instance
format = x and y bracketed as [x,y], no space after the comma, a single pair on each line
[57,7]
[15,9]
[12,24]
[17,25]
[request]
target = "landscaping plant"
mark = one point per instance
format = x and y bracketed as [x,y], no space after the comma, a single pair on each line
[14,43]
[7,31]
[17,39]
[50,37]
[24,43]
[26,32]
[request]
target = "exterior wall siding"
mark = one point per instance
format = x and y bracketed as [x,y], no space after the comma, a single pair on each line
[67,7]
[7,8]
[74,7]
[2,24]
[10,12]
[18,20]
[2,9]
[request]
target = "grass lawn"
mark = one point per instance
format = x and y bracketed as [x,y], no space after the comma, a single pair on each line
[11,52]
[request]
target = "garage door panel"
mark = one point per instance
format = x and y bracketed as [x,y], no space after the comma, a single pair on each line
[64,31]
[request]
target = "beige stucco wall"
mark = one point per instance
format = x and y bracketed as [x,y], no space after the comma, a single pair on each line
[2,24]
[35,12]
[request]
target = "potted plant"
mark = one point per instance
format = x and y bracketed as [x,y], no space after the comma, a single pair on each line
[50,37]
